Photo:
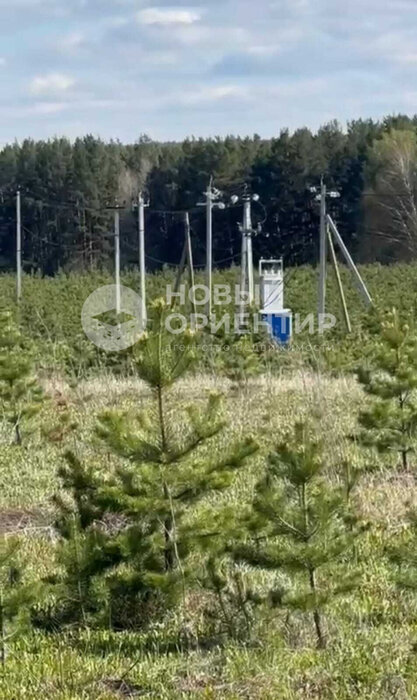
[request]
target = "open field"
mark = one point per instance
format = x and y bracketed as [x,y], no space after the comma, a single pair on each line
[371,652]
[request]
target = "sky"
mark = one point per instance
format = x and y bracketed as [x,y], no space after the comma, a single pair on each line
[171,69]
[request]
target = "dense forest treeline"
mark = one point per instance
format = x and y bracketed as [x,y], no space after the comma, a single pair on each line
[68,189]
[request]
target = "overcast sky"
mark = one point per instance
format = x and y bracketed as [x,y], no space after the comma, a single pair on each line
[120,68]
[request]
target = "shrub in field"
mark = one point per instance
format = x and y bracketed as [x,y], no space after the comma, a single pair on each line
[15,597]
[20,394]
[231,609]
[164,473]
[390,425]
[300,526]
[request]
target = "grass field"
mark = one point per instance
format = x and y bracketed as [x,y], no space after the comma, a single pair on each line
[372,637]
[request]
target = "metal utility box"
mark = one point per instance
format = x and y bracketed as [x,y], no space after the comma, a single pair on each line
[280,326]
[279,320]
[271,275]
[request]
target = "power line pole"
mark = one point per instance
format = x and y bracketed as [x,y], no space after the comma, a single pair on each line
[323,251]
[322,198]
[117,258]
[116,209]
[247,285]
[141,225]
[211,195]
[243,267]
[18,247]
[247,232]
[209,243]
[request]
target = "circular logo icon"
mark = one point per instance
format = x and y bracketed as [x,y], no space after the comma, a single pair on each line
[108,329]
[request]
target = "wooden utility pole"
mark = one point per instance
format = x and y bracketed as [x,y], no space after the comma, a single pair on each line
[339,281]
[359,281]
[189,256]
[186,258]
[18,247]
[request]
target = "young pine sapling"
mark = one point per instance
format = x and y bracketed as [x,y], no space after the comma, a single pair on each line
[299,526]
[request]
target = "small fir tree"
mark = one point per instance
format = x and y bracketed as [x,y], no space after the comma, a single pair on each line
[165,472]
[241,362]
[15,596]
[390,424]
[20,394]
[299,526]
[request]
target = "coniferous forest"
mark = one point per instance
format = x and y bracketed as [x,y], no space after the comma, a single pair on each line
[68,188]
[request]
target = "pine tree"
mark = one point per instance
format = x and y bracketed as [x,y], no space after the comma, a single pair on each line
[403,554]
[164,473]
[241,362]
[15,596]
[299,526]
[20,394]
[390,425]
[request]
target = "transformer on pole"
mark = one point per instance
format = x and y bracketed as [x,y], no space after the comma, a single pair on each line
[278,319]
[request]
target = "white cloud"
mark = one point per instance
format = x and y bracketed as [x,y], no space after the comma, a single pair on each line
[2,62]
[167,16]
[214,94]
[51,84]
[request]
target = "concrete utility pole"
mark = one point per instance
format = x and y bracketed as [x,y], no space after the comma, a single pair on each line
[323,251]
[211,196]
[243,264]
[247,285]
[209,244]
[117,258]
[18,248]
[322,198]
[116,209]
[141,226]
[247,232]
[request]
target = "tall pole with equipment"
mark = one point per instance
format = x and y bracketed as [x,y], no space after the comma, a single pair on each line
[328,229]
[116,209]
[323,251]
[142,268]
[211,195]
[247,285]
[117,257]
[18,247]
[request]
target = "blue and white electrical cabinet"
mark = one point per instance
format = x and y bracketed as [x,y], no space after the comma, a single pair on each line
[279,320]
